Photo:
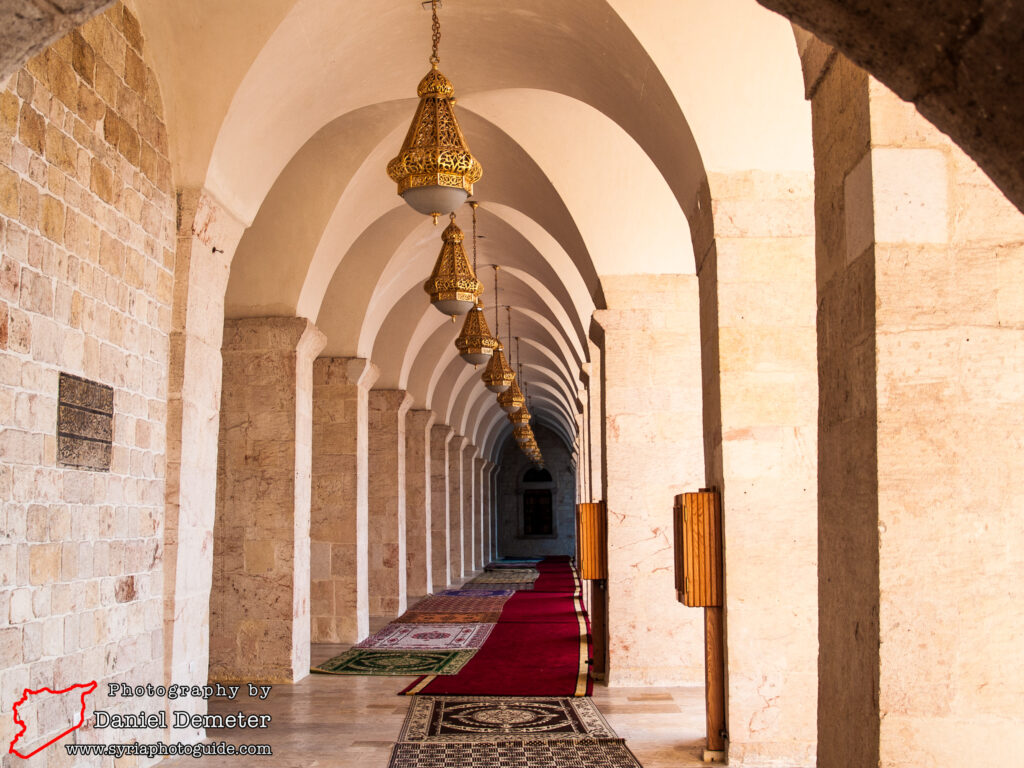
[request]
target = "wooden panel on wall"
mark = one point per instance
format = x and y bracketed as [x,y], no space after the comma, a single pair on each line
[592,540]
[85,423]
[698,548]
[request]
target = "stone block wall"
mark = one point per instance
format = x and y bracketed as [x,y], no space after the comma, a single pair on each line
[87,238]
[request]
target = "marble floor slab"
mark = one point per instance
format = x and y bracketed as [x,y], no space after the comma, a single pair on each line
[326,721]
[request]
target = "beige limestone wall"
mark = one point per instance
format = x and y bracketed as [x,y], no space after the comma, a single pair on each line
[514,466]
[440,551]
[455,552]
[920,266]
[387,554]
[761,383]
[419,579]
[339,512]
[259,605]
[87,228]
[652,450]
[469,522]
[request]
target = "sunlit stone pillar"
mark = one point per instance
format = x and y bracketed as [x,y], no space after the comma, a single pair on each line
[440,551]
[455,522]
[193,407]
[469,523]
[651,430]
[340,508]
[487,511]
[920,265]
[259,606]
[418,511]
[757,296]
[387,562]
[480,534]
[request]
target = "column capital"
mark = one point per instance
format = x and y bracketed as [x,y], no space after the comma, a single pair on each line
[352,371]
[421,418]
[446,432]
[273,334]
[393,399]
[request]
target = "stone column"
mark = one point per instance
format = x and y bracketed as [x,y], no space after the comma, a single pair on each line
[485,511]
[920,263]
[339,602]
[388,408]
[760,374]
[440,549]
[651,435]
[469,523]
[455,447]
[418,512]
[480,521]
[495,523]
[193,407]
[259,606]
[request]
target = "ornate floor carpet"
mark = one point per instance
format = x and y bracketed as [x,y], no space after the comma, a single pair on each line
[449,617]
[508,732]
[539,647]
[374,661]
[435,636]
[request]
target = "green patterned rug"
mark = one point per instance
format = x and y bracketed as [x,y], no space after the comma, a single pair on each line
[372,661]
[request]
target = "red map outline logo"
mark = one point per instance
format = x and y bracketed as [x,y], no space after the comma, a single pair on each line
[87,689]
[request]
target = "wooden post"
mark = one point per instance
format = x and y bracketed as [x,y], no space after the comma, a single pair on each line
[714,683]
[599,627]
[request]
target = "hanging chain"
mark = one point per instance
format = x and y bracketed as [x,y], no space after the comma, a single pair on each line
[509,310]
[473,206]
[497,328]
[436,36]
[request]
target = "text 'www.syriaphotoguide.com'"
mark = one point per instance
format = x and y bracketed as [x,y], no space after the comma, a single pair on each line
[166,750]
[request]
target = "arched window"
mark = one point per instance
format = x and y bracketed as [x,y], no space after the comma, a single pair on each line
[538,515]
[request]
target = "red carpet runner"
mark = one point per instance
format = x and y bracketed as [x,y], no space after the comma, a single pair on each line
[540,646]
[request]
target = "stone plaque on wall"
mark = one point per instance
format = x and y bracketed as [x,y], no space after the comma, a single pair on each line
[85,423]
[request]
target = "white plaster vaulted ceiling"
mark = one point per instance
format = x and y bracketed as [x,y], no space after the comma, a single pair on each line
[287,111]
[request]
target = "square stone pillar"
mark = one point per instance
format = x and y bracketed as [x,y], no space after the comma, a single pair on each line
[920,263]
[387,559]
[259,606]
[480,504]
[760,373]
[193,411]
[340,506]
[469,523]
[651,433]
[440,549]
[493,512]
[455,521]
[418,511]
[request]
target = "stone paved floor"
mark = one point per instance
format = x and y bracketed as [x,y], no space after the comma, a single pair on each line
[327,721]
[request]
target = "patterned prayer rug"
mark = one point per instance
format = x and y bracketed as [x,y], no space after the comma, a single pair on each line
[506,576]
[435,636]
[475,600]
[474,593]
[448,617]
[556,753]
[502,718]
[374,661]
[517,586]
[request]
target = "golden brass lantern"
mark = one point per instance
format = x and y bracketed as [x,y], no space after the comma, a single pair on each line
[498,375]
[452,286]
[434,169]
[511,399]
[475,343]
[522,434]
[522,416]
